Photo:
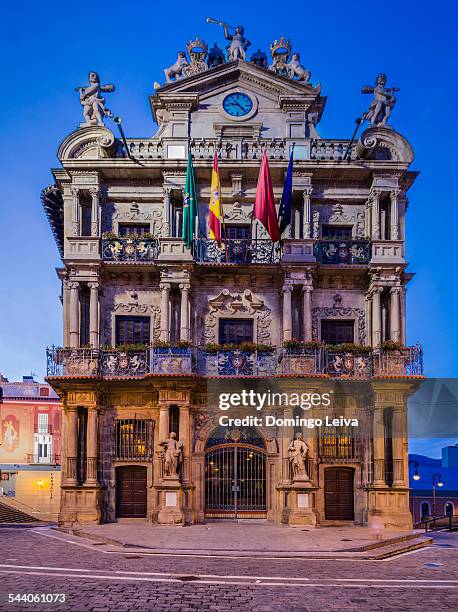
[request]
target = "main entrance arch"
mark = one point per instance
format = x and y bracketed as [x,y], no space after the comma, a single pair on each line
[235,475]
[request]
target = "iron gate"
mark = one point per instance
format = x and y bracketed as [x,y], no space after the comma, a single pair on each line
[235,482]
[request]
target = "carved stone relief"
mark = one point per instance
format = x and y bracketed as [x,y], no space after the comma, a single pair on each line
[132,307]
[342,214]
[228,305]
[338,311]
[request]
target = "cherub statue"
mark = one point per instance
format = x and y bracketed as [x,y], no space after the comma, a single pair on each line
[239,44]
[92,102]
[297,452]
[173,455]
[383,102]
[175,71]
[295,69]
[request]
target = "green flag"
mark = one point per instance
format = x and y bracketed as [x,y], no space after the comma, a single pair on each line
[189,204]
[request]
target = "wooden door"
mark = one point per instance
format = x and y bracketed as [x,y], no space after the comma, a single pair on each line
[338,492]
[131,491]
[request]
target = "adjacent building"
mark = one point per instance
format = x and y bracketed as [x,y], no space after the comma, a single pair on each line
[152,329]
[30,426]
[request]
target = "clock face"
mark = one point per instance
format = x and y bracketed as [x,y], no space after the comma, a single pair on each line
[237,104]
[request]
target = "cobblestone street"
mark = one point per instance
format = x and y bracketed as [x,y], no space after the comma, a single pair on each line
[95,577]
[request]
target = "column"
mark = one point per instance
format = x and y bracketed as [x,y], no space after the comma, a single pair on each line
[368,311]
[395,319]
[75,211]
[72,445]
[185,438]
[66,311]
[95,210]
[378,438]
[163,423]
[165,314]
[399,431]
[307,212]
[287,319]
[167,213]
[394,214]
[184,312]
[94,314]
[375,214]
[376,317]
[74,314]
[307,301]
[91,452]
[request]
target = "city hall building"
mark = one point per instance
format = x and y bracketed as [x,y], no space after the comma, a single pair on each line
[153,330]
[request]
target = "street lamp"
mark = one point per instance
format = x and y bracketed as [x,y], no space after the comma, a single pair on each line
[439,483]
[416,475]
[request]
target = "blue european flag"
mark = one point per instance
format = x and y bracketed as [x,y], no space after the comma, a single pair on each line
[284,214]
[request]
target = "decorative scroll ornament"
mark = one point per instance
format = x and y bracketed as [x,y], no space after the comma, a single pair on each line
[233,304]
[339,311]
[197,50]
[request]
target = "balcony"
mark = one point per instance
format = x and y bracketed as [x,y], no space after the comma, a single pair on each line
[52,459]
[178,361]
[237,251]
[342,251]
[130,249]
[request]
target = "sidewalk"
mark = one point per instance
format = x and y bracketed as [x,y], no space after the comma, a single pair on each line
[232,539]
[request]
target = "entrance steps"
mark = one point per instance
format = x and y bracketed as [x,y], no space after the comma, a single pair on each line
[13,516]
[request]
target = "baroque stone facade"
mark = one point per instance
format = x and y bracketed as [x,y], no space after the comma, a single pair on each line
[147,322]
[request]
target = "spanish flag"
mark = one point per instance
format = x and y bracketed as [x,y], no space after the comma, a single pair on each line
[216,204]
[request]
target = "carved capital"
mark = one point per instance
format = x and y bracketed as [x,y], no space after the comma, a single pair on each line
[94,285]
[394,193]
[94,191]
[307,289]
[72,285]
[395,290]
[75,191]
[287,288]
[185,286]
[164,286]
[307,192]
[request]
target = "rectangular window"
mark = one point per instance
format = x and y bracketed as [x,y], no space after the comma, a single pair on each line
[81,465]
[237,232]
[84,315]
[86,217]
[42,422]
[133,440]
[235,331]
[336,232]
[133,229]
[177,219]
[337,332]
[132,330]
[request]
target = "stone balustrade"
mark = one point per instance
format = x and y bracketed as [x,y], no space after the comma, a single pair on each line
[325,361]
[331,150]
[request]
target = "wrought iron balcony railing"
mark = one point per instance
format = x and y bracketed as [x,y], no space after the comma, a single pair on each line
[326,361]
[342,251]
[237,250]
[130,249]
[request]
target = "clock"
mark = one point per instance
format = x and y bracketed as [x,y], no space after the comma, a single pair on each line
[238,105]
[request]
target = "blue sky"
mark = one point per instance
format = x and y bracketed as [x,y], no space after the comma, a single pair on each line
[48,48]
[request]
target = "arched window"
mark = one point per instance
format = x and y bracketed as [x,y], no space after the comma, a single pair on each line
[425,509]
[449,509]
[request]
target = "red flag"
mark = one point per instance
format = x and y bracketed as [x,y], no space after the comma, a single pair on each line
[264,204]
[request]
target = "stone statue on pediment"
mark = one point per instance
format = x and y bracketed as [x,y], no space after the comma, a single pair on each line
[175,71]
[296,70]
[280,51]
[215,57]
[94,109]
[384,100]
[239,44]
[259,59]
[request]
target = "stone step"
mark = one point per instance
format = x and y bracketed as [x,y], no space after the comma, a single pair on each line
[12,515]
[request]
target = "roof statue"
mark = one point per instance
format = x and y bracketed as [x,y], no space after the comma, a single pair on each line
[238,43]
[280,51]
[259,59]
[381,106]
[93,103]
[175,71]
[197,50]
[215,57]
[296,70]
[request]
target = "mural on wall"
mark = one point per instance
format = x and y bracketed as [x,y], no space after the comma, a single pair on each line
[10,433]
